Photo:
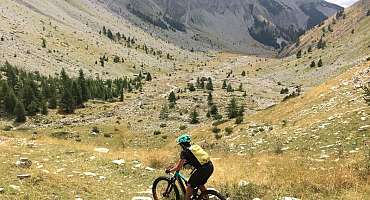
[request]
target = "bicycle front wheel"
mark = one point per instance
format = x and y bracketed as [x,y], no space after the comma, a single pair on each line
[165,189]
[211,195]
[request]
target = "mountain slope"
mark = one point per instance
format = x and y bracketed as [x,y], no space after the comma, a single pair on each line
[247,26]
[72,33]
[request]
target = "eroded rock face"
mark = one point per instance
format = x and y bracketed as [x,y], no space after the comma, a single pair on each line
[232,24]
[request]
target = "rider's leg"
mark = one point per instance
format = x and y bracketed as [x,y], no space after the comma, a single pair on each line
[203,189]
[189,192]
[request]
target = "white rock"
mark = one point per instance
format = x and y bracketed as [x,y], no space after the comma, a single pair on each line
[2,190]
[101,150]
[149,169]
[23,176]
[118,162]
[257,199]
[243,183]
[89,174]
[15,187]
[102,177]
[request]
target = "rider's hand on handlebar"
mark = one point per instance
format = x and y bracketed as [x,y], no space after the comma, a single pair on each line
[168,171]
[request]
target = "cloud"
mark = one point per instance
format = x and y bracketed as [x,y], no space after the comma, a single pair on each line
[344,3]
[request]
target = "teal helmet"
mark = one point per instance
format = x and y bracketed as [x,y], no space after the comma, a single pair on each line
[184,138]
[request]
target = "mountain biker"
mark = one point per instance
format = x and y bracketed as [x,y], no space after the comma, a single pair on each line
[196,157]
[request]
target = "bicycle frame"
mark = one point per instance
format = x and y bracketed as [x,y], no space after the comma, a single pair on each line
[182,180]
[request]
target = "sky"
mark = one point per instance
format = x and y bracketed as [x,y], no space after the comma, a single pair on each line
[344,3]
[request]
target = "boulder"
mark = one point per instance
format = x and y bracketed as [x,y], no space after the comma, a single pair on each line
[101,150]
[23,163]
[23,176]
[118,162]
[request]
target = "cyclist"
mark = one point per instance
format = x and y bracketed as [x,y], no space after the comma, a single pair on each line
[196,157]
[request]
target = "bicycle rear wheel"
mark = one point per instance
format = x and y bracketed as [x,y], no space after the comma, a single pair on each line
[165,189]
[211,195]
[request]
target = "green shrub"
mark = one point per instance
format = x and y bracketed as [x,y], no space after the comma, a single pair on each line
[182,127]
[239,120]
[216,129]
[228,130]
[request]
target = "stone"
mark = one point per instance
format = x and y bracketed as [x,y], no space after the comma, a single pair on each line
[89,174]
[256,199]
[101,150]
[23,176]
[118,162]
[149,169]
[15,187]
[2,190]
[24,163]
[243,183]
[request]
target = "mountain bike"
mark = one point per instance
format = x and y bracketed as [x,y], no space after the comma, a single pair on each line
[166,187]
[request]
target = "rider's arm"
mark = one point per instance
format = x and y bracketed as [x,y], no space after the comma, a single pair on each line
[178,166]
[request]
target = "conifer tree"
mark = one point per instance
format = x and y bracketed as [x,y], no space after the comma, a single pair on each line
[66,104]
[53,102]
[309,49]
[194,117]
[9,101]
[164,113]
[243,73]
[240,87]
[44,107]
[229,88]
[213,110]
[224,84]
[148,77]
[172,97]
[210,99]
[20,112]
[191,87]
[85,94]
[110,34]
[209,85]
[232,109]
[299,54]
[33,108]
[77,94]
[313,64]
[319,64]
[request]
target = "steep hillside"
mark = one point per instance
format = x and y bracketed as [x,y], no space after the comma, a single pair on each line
[247,26]
[48,35]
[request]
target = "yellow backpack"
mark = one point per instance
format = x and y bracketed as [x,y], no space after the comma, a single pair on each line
[200,154]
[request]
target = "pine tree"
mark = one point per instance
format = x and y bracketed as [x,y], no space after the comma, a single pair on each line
[321,44]
[191,87]
[209,85]
[224,84]
[313,64]
[121,97]
[148,77]
[319,64]
[85,94]
[172,97]
[309,49]
[229,88]
[110,34]
[20,112]
[241,110]
[210,99]
[232,109]
[240,87]
[213,110]
[33,108]
[43,45]
[104,30]
[77,94]
[53,102]
[66,104]
[299,54]
[194,117]
[9,101]
[164,112]
[243,73]
[44,108]
[368,13]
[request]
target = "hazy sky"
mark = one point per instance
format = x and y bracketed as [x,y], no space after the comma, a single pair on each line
[344,3]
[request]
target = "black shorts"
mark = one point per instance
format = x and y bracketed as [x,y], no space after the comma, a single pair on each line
[201,175]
